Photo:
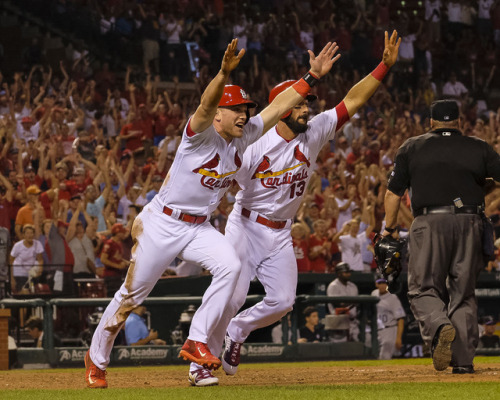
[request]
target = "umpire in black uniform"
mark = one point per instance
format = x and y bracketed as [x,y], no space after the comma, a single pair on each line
[445,172]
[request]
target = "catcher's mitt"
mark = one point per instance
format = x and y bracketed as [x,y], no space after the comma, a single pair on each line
[388,252]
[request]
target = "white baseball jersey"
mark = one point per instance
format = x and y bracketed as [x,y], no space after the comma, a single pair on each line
[275,171]
[351,248]
[389,308]
[204,168]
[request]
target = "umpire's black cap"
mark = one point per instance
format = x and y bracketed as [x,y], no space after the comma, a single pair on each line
[444,110]
[342,267]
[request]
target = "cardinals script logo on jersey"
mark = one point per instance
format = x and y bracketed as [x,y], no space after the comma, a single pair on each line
[211,178]
[272,180]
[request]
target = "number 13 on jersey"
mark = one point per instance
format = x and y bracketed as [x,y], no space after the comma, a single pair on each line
[297,189]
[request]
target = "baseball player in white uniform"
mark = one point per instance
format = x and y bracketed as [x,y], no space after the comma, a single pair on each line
[273,178]
[176,223]
[390,314]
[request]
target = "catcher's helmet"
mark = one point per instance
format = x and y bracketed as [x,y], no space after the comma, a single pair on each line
[281,87]
[234,95]
[388,252]
[342,267]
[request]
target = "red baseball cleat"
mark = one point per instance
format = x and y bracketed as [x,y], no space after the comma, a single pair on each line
[95,378]
[199,353]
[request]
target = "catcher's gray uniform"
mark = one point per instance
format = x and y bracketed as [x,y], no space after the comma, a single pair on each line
[389,311]
[337,288]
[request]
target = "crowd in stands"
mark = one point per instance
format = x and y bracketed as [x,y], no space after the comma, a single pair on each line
[84,147]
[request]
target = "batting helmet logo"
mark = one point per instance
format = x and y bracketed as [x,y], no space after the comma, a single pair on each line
[233,96]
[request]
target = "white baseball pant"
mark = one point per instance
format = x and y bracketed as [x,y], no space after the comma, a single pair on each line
[268,254]
[387,342]
[160,238]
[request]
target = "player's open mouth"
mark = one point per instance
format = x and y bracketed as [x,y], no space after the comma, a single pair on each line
[240,125]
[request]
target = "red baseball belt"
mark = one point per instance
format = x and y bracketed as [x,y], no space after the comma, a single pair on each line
[264,221]
[192,219]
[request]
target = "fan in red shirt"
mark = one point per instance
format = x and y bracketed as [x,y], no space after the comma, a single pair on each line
[132,132]
[330,214]
[176,117]
[300,234]
[319,247]
[355,156]
[161,121]
[112,258]
[6,197]
[30,178]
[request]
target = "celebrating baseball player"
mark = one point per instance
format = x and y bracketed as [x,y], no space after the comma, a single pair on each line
[176,223]
[273,177]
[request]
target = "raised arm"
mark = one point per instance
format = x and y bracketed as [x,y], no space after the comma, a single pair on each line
[205,113]
[149,90]
[65,81]
[48,78]
[9,195]
[364,89]
[71,232]
[44,160]
[133,105]
[157,104]
[147,184]
[127,77]
[292,96]
[107,179]
[371,224]
[392,203]
[342,232]
[89,164]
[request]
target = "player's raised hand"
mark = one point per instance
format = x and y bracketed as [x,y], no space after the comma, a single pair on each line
[230,60]
[391,48]
[323,62]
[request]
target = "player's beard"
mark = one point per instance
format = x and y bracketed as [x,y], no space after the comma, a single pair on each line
[295,125]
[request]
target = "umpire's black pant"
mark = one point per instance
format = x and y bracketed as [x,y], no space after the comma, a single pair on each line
[445,260]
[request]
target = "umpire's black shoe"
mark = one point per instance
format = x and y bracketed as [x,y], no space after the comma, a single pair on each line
[441,347]
[467,369]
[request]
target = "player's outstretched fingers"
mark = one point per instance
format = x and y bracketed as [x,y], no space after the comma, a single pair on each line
[394,37]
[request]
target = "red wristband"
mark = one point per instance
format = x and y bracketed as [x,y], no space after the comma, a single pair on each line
[302,87]
[379,72]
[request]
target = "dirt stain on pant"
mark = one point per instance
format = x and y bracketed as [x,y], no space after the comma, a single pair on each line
[137,229]
[128,304]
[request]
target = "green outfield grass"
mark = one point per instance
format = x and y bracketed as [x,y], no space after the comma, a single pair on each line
[403,391]
[393,391]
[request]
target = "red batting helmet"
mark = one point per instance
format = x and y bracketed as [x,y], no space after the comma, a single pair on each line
[234,95]
[281,87]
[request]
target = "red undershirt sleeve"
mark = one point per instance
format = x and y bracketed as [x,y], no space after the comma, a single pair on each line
[342,115]
[189,131]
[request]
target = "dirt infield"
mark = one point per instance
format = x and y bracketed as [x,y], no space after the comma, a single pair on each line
[271,374]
